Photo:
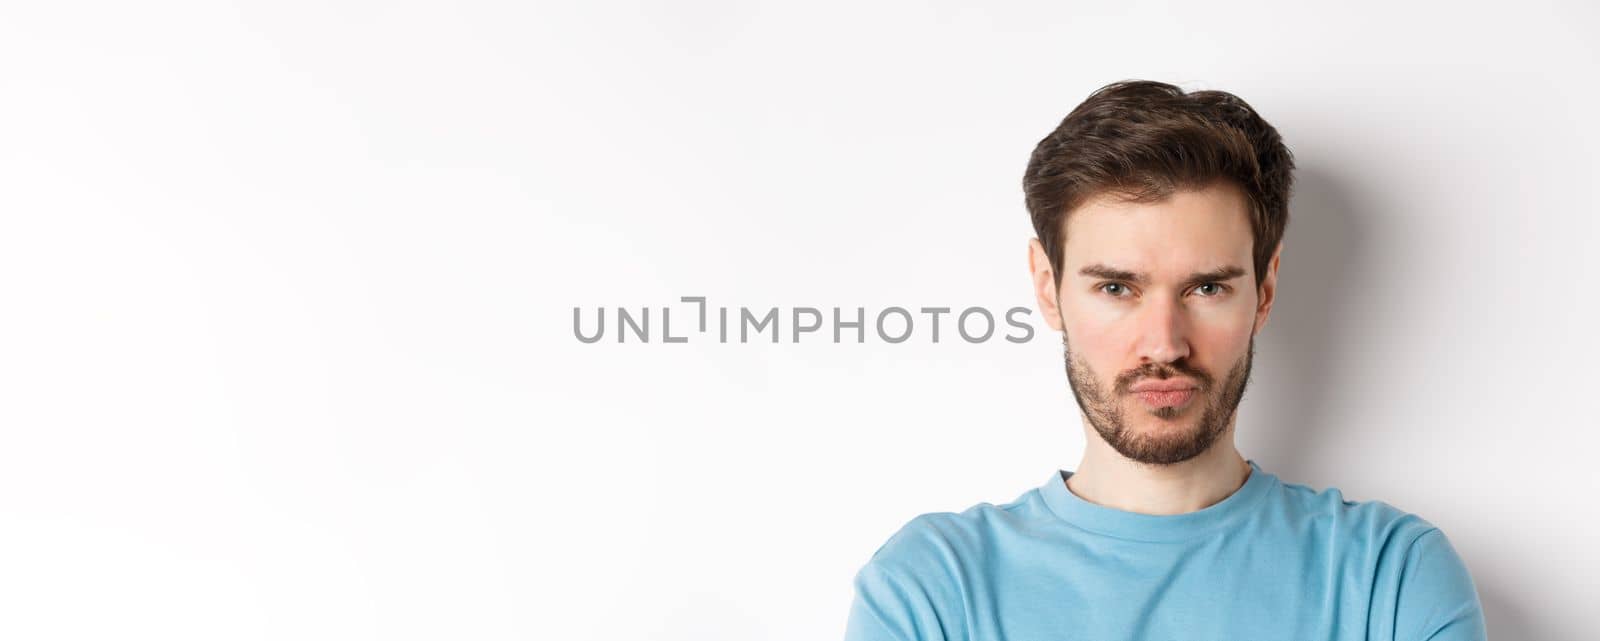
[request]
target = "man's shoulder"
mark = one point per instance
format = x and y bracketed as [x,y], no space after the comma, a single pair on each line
[914,584]
[1419,583]
[1372,519]
[932,539]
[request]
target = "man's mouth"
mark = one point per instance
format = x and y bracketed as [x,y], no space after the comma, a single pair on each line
[1172,398]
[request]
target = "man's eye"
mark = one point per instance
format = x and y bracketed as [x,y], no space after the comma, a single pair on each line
[1117,292]
[1218,289]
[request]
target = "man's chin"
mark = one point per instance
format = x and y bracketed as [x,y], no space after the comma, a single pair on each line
[1149,442]
[1165,419]
[1164,432]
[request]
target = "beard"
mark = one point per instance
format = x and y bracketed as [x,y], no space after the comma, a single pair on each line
[1104,408]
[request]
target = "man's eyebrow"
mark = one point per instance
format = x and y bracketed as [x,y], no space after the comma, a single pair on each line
[1097,270]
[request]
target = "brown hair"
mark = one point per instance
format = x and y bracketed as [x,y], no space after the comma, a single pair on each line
[1141,140]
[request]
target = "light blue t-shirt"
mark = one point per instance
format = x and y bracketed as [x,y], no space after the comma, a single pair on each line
[1273,562]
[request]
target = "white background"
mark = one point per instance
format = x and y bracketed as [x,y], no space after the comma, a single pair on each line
[286,298]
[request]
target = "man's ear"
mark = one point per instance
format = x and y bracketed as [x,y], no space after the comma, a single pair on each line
[1268,292]
[1044,284]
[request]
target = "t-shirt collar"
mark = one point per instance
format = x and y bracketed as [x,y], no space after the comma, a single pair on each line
[1122,524]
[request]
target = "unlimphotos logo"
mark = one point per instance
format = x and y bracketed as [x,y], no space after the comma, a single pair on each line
[889,325]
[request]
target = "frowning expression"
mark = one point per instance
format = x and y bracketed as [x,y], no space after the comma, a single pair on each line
[1158,308]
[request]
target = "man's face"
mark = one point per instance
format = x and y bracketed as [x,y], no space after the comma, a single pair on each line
[1158,295]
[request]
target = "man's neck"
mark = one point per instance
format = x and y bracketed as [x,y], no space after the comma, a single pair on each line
[1105,477]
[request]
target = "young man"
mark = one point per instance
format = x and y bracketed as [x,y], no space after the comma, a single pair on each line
[1159,216]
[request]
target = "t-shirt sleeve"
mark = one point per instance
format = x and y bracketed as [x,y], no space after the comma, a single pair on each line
[1437,600]
[888,607]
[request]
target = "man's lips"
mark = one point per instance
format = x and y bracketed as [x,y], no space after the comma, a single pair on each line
[1163,385]
[1166,399]
[1169,392]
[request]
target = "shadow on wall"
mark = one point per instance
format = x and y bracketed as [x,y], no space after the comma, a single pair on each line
[1504,618]
[1329,249]
[1302,346]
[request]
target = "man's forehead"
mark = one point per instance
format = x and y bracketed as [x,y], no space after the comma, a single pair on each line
[1183,210]
[1190,231]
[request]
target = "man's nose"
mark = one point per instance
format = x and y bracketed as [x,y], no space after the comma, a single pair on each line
[1163,331]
